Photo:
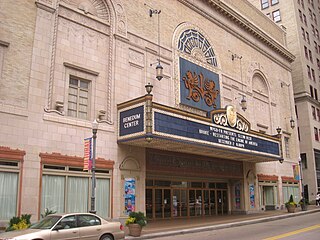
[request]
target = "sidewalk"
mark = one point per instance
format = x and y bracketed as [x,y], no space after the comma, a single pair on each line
[168,227]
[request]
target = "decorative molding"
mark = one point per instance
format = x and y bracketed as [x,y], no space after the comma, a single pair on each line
[136,58]
[45,5]
[130,163]
[65,160]
[8,153]
[263,177]
[286,179]
[82,69]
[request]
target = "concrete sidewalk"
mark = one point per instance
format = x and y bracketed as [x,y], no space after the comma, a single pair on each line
[169,227]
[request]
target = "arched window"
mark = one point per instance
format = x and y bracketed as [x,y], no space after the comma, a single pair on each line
[194,43]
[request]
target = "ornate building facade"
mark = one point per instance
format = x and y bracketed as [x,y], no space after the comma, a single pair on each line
[212,137]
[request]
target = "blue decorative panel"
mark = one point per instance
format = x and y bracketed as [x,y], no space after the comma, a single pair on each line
[199,87]
[193,130]
[131,121]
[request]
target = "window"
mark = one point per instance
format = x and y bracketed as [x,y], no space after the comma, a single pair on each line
[310,56]
[3,48]
[316,94]
[68,188]
[302,4]
[9,178]
[314,113]
[313,75]
[318,114]
[315,46]
[276,16]
[307,36]
[286,145]
[312,4]
[303,157]
[78,98]
[305,20]
[317,33]
[303,33]
[313,30]
[306,53]
[318,64]
[311,91]
[274,2]
[300,16]
[315,19]
[309,72]
[88,220]
[316,134]
[264,4]
[310,13]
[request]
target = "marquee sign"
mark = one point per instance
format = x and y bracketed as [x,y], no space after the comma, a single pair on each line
[131,121]
[205,133]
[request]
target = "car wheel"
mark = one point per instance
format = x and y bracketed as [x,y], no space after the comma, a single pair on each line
[107,237]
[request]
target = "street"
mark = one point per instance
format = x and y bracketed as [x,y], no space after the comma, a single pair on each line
[306,227]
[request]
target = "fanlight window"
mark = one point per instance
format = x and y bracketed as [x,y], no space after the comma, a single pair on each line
[191,41]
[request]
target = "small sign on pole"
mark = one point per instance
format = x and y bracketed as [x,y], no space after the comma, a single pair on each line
[87,160]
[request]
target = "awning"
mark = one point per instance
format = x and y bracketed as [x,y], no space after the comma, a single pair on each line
[144,123]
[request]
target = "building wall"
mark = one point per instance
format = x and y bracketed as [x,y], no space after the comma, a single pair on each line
[300,36]
[112,45]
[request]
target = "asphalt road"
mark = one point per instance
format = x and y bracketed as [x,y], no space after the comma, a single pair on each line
[305,227]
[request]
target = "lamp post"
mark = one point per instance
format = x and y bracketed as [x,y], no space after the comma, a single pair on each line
[93,169]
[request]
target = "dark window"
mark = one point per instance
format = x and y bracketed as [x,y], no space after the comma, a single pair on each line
[88,220]
[316,134]
[314,113]
[303,157]
[311,91]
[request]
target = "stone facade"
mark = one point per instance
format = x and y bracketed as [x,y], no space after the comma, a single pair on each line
[113,47]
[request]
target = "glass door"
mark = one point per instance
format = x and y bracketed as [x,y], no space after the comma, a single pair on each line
[162,203]
[149,203]
[222,201]
[213,205]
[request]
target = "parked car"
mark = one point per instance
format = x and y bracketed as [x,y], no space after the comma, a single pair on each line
[69,226]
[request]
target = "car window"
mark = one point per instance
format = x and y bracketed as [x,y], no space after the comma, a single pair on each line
[46,223]
[88,220]
[68,222]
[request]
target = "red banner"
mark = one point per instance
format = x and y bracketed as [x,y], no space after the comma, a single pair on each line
[87,160]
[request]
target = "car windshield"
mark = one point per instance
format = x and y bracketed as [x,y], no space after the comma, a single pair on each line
[46,223]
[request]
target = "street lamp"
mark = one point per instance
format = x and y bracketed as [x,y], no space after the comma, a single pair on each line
[95,125]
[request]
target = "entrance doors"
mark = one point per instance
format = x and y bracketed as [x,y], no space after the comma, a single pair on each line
[185,202]
[162,203]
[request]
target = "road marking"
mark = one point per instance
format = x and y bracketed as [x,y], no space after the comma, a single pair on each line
[294,232]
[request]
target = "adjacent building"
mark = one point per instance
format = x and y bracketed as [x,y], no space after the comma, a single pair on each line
[301,19]
[211,134]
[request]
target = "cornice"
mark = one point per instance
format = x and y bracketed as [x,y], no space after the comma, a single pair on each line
[243,23]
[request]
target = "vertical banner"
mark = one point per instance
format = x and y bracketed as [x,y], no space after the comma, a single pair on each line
[296,172]
[237,195]
[129,195]
[251,192]
[87,164]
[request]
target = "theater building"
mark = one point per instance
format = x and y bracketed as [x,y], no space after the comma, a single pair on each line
[210,135]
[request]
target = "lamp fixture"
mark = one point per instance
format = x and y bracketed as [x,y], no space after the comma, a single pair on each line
[159,68]
[149,88]
[243,103]
[292,123]
[278,130]
[281,160]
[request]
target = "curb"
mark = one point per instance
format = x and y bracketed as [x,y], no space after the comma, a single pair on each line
[221,226]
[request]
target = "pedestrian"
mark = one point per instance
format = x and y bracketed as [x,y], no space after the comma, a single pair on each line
[318,199]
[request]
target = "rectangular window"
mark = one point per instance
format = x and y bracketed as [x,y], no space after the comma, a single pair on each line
[309,72]
[8,194]
[317,33]
[306,53]
[69,191]
[316,134]
[264,4]
[307,37]
[318,114]
[286,145]
[78,98]
[300,16]
[315,19]
[303,33]
[316,94]
[313,30]
[310,13]
[302,4]
[315,46]
[305,20]
[314,113]
[313,75]
[274,2]
[276,16]
[310,56]
[311,91]
[318,64]
[303,157]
